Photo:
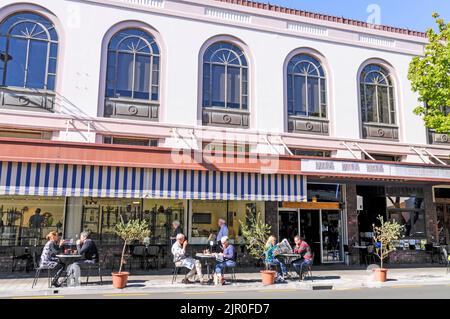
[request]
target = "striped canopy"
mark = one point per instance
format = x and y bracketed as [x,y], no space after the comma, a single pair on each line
[118,182]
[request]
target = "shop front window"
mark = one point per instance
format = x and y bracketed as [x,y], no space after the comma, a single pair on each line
[324,192]
[100,216]
[26,220]
[206,214]
[409,212]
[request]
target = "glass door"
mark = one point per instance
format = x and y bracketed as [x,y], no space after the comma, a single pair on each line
[310,231]
[331,236]
[288,222]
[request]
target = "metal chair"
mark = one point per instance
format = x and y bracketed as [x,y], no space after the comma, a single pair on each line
[153,253]
[370,254]
[140,253]
[175,273]
[96,266]
[38,268]
[308,268]
[20,254]
[233,273]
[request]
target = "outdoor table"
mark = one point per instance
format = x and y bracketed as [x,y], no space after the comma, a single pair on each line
[68,260]
[288,258]
[206,258]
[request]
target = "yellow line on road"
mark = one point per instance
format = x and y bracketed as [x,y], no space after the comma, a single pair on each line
[204,293]
[39,297]
[124,295]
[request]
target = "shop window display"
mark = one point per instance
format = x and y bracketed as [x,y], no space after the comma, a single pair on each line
[101,215]
[25,220]
[205,216]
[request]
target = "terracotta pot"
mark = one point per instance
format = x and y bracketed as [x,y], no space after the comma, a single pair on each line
[268,277]
[120,279]
[380,274]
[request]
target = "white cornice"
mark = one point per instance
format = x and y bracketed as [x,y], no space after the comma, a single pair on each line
[211,11]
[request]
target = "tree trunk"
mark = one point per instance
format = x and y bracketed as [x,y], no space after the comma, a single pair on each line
[121,257]
[381,249]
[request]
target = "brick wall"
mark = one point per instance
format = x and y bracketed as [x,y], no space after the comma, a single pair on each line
[272,216]
[431,227]
[352,214]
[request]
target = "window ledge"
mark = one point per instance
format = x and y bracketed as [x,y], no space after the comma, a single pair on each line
[308,125]
[225,117]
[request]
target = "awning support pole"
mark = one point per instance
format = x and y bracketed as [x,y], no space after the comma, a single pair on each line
[434,156]
[426,161]
[266,138]
[284,145]
[350,150]
[364,151]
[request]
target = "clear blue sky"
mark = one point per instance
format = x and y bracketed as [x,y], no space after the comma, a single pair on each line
[410,14]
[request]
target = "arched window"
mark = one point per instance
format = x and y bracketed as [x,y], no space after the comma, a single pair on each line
[133,66]
[377,95]
[30,44]
[225,77]
[306,87]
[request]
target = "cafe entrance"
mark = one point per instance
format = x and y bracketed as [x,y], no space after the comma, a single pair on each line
[321,228]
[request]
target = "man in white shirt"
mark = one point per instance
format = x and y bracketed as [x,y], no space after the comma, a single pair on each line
[181,260]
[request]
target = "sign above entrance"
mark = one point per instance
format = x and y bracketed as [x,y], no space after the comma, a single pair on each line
[368,169]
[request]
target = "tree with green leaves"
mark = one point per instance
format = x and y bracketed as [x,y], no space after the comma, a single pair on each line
[255,233]
[130,231]
[430,78]
[384,235]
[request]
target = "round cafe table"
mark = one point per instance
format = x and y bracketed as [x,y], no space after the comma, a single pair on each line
[288,259]
[206,258]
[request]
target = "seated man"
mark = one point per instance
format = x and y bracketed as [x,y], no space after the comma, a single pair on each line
[227,255]
[302,248]
[182,260]
[87,248]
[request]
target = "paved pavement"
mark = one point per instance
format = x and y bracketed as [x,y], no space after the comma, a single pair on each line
[335,282]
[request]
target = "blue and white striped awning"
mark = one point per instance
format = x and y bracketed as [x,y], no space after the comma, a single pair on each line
[106,181]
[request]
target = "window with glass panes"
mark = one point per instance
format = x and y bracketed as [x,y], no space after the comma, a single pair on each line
[32,43]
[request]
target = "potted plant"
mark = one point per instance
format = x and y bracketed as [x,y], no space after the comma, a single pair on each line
[255,233]
[132,230]
[384,235]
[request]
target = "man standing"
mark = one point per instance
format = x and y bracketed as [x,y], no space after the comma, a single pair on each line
[181,259]
[223,231]
[36,220]
[302,248]
[176,229]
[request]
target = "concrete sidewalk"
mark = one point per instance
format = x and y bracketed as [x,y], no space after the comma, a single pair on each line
[250,280]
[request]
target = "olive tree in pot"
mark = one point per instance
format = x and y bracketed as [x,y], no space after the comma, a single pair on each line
[255,233]
[383,236]
[128,232]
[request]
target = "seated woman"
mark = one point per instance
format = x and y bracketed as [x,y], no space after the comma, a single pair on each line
[48,257]
[271,260]
[227,255]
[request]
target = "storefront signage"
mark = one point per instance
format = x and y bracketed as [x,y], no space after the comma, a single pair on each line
[374,169]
